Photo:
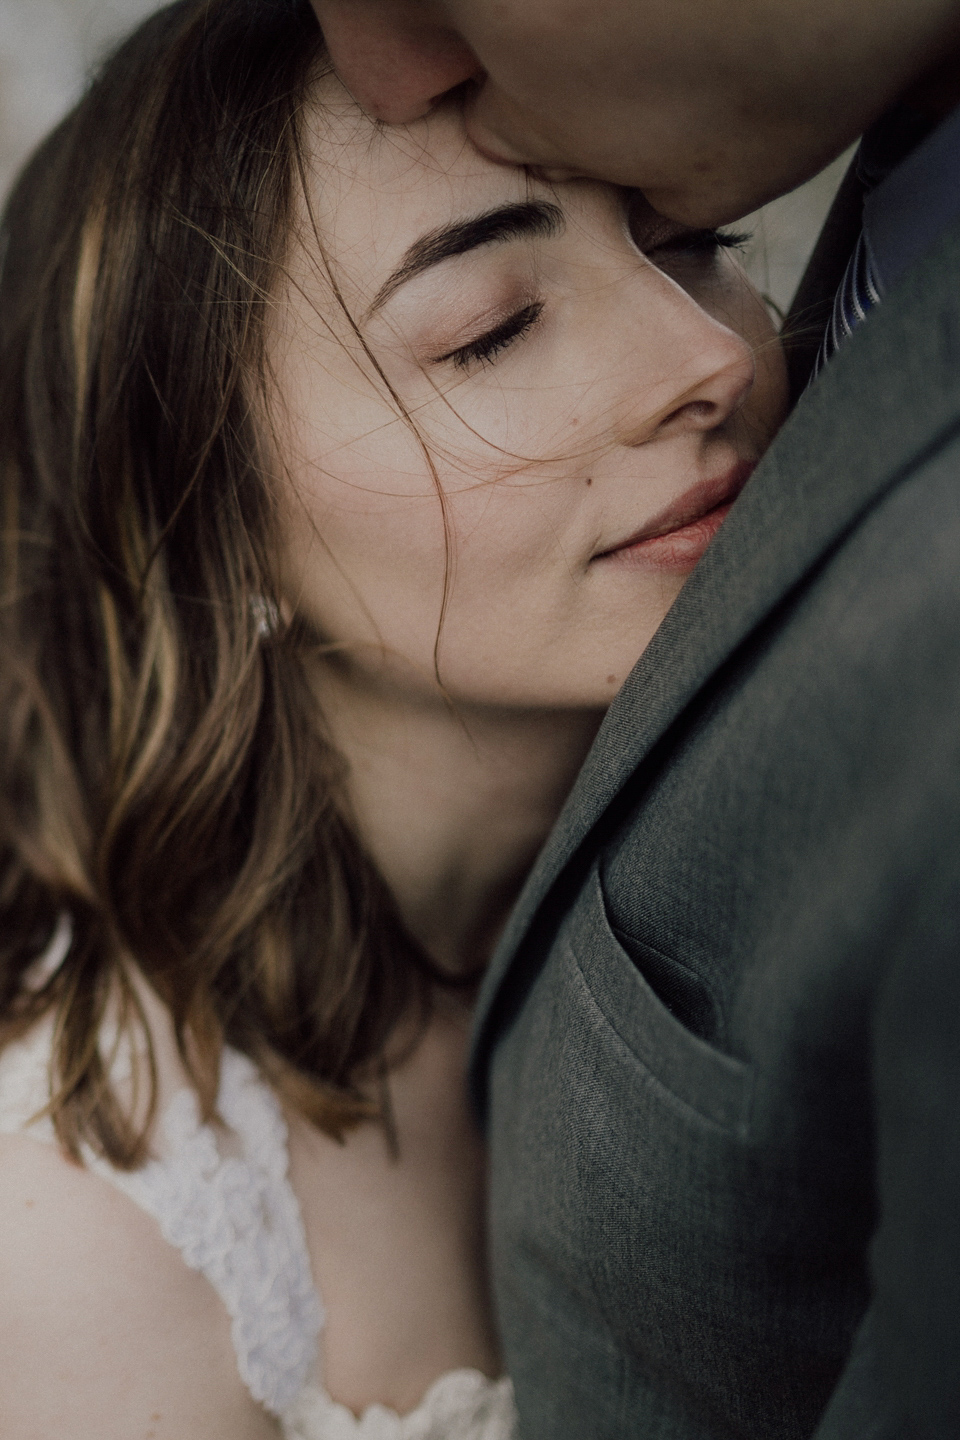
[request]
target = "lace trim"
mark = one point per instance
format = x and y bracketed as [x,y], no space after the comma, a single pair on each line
[461,1405]
[235,1219]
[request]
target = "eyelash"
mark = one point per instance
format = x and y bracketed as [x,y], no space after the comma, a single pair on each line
[700,242]
[485,349]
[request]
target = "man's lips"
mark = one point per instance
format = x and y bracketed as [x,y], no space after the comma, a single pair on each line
[677,537]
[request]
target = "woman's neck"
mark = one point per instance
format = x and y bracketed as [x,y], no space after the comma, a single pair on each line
[453,807]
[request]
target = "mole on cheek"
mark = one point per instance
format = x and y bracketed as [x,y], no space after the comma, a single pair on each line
[611,679]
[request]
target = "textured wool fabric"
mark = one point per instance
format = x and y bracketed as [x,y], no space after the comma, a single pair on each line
[717,1052]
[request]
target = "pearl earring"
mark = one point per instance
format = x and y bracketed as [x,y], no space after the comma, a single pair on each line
[266,615]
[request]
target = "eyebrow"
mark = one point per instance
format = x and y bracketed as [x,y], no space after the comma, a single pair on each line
[521,220]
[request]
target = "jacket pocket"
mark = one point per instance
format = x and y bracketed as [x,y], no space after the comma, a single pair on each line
[717,1086]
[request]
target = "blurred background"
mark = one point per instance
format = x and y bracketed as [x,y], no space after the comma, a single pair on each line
[48,49]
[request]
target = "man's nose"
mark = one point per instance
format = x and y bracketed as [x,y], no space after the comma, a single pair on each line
[396,57]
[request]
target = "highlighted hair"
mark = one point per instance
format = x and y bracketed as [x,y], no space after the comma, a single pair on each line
[162,777]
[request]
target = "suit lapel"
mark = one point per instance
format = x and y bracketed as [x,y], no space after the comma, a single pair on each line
[892,393]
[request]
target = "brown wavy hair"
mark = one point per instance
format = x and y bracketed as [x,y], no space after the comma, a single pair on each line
[163,775]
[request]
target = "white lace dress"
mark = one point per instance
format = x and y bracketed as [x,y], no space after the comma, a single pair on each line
[236,1219]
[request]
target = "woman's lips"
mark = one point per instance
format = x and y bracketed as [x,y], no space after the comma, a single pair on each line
[677,537]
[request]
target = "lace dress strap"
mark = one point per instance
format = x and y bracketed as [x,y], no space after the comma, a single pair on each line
[234,1218]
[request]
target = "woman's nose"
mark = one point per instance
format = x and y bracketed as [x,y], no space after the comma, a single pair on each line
[705,373]
[393,56]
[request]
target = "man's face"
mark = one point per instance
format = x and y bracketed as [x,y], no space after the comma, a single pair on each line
[712,107]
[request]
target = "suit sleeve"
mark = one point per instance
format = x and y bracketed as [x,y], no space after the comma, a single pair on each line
[903,1377]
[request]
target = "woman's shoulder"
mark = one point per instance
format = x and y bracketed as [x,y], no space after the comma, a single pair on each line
[105,1332]
[86,1274]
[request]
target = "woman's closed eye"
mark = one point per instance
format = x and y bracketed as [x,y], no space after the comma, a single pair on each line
[688,256]
[697,242]
[662,240]
[485,348]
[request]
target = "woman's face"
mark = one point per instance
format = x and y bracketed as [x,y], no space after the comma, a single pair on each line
[516,430]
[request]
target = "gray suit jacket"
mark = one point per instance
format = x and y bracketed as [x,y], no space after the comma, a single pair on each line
[718,1051]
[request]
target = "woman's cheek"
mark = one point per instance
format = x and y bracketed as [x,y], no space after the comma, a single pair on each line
[499,424]
[362,562]
[769,399]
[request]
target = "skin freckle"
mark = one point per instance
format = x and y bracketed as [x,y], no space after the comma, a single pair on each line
[611,679]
